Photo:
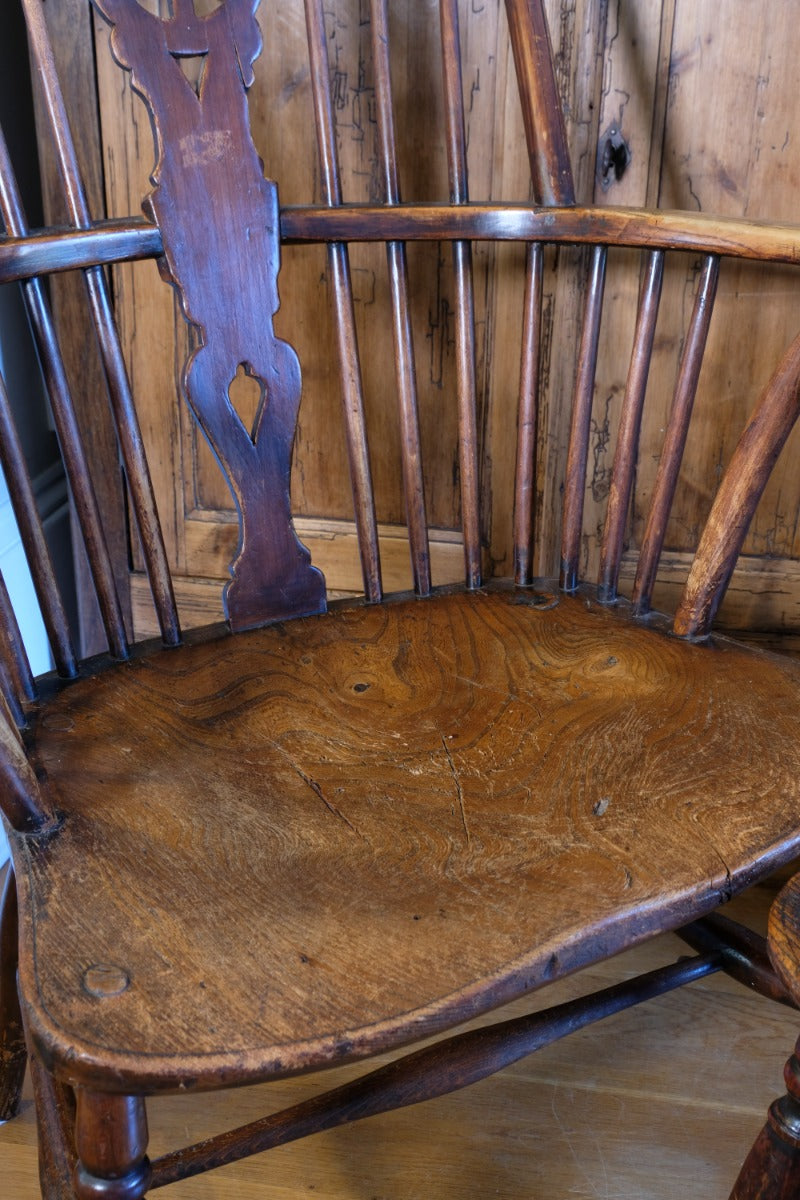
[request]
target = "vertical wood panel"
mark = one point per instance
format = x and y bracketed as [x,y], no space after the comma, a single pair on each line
[734,148]
[729,147]
[703,95]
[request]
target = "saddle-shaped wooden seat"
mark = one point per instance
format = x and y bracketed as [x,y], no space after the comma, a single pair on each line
[351,826]
[335,835]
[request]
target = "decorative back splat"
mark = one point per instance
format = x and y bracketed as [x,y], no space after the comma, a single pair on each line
[206,162]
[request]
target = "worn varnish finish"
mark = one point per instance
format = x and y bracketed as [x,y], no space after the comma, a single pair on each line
[522,1132]
[232,310]
[239,859]
[416,817]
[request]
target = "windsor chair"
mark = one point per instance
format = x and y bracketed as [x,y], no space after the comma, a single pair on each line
[352,826]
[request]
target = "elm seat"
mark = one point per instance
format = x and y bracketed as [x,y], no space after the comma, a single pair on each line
[375,824]
[346,828]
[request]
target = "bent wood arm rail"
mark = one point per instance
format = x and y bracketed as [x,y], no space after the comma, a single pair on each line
[738,495]
[122,240]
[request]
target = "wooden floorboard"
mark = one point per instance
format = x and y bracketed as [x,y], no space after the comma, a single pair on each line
[661,1101]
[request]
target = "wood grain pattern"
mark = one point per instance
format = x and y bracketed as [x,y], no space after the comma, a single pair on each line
[127,239]
[645,69]
[256,857]
[401,865]
[437,1070]
[653,1067]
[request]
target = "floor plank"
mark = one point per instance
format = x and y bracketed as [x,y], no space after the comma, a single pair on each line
[660,1101]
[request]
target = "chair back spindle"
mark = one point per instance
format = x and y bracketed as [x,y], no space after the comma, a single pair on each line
[410,447]
[552,183]
[344,316]
[23,805]
[627,447]
[65,420]
[676,435]
[124,412]
[33,540]
[455,133]
[18,685]
[543,116]
[578,448]
[527,417]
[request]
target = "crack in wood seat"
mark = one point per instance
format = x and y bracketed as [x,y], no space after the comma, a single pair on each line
[378,823]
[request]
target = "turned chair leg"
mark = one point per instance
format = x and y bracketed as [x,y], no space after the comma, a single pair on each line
[111,1140]
[55,1118]
[13,1054]
[771,1170]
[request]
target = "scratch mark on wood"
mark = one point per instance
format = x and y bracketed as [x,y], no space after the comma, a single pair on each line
[459,792]
[317,790]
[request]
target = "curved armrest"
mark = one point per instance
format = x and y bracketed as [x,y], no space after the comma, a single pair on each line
[738,495]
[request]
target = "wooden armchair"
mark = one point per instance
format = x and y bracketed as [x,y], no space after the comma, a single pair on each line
[350,827]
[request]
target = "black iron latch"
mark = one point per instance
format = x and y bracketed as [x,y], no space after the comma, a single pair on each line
[613,156]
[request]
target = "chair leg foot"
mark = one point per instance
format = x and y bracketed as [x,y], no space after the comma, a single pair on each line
[771,1170]
[13,1053]
[111,1139]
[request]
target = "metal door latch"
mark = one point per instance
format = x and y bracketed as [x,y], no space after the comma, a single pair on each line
[613,156]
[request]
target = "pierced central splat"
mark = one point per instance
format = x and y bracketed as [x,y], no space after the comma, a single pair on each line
[247,395]
[170,9]
[242,383]
[193,67]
